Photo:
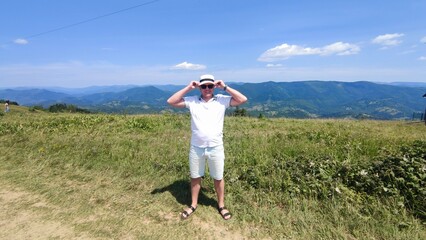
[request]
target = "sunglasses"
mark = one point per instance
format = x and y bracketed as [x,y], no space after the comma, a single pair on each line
[210,86]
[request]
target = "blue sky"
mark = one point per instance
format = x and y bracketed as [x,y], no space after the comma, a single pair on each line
[79,43]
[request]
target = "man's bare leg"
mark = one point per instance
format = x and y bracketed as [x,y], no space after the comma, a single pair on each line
[219,186]
[195,191]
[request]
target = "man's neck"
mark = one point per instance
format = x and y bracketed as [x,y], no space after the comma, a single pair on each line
[207,98]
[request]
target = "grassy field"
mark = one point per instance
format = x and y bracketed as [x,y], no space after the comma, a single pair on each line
[126,177]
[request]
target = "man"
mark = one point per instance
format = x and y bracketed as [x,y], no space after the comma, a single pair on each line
[207,116]
[6,106]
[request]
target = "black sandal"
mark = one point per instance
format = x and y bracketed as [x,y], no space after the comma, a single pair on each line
[220,209]
[185,215]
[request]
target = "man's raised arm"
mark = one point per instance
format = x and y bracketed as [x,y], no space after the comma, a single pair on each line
[176,100]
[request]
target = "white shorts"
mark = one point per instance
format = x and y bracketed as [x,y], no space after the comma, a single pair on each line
[215,157]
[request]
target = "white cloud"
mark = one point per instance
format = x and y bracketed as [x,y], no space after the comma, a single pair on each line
[423,40]
[189,66]
[340,48]
[21,41]
[271,65]
[422,58]
[388,40]
[285,51]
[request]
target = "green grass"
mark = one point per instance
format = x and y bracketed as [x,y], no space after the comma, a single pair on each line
[117,176]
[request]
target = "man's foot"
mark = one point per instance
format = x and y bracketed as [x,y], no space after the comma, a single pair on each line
[224,213]
[188,212]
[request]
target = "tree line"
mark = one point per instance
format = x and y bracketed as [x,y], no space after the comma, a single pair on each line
[60,107]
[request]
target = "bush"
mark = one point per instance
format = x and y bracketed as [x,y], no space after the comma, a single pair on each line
[401,174]
[2,101]
[34,108]
[62,107]
[240,112]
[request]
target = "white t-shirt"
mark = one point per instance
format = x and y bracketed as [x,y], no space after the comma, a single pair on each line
[207,119]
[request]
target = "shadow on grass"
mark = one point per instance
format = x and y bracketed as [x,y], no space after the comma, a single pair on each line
[180,189]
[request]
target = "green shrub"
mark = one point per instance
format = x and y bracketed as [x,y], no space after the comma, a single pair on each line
[62,107]
[401,174]
[398,174]
[34,108]
[144,123]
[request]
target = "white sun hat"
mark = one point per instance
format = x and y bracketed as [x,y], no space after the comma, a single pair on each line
[206,79]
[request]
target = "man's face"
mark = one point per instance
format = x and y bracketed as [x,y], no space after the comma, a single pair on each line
[207,89]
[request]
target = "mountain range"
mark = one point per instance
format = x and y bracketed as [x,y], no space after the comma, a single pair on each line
[305,99]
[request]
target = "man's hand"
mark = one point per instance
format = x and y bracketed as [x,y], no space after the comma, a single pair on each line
[219,84]
[193,85]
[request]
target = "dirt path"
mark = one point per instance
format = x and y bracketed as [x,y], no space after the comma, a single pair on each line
[24,215]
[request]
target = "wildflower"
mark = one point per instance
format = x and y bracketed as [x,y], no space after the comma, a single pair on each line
[338,190]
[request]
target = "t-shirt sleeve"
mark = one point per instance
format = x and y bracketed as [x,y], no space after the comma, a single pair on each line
[189,100]
[224,99]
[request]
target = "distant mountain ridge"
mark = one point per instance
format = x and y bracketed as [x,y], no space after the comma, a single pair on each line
[334,99]
[409,84]
[30,97]
[305,99]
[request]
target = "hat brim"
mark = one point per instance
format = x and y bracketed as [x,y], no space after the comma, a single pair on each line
[206,81]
